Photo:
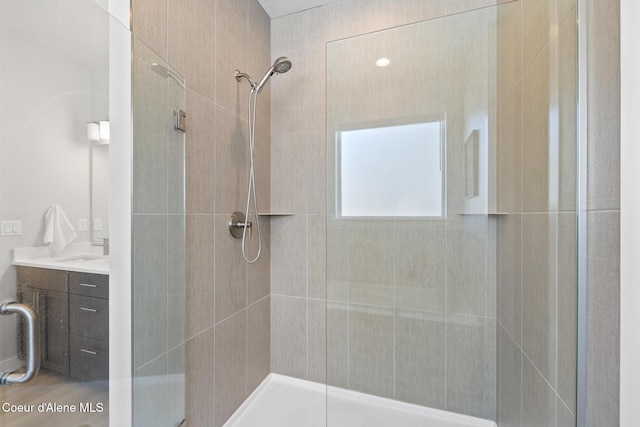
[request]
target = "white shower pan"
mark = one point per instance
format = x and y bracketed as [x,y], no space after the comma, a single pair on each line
[282,401]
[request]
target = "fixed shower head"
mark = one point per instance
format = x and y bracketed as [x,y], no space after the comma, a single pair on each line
[280,66]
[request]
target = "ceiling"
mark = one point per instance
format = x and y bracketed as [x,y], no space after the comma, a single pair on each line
[276,8]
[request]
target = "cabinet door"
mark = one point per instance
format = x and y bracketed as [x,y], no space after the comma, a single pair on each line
[54,330]
[53,316]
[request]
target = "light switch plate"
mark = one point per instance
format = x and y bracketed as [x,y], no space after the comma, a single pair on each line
[11,228]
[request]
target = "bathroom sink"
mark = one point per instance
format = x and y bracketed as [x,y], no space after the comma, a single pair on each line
[80,258]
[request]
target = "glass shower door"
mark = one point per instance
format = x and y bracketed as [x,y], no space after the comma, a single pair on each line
[451,248]
[158,242]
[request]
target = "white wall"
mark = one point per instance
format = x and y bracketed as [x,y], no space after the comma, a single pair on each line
[630,212]
[49,89]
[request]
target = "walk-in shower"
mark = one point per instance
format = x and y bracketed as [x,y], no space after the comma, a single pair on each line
[240,221]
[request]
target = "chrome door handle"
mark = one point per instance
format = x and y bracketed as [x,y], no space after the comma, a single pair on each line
[33,343]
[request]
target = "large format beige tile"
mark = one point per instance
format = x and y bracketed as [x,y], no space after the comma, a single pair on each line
[370,267]
[509,29]
[149,329]
[510,381]
[230,271]
[176,370]
[150,24]
[150,242]
[603,123]
[231,162]
[200,153]
[538,25]
[150,388]
[420,358]
[258,23]
[317,340]
[258,343]
[471,365]
[538,398]
[289,255]
[338,344]
[200,291]
[567,114]
[338,241]
[470,289]
[564,417]
[566,10]
[317,256]
[289,336]
[603,323]
[176,279]
[470,72]
[567,308]
[259,273]
[539,260]
[510,159]
[192,42]
[231,54]
[231,366]
[286,92]
[149,133]
[289,172]
[371,337]
[200,355]
[420,254]
[316,164]
[539,130]
[510,275]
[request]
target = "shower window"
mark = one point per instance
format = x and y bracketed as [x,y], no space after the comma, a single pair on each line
[391,171]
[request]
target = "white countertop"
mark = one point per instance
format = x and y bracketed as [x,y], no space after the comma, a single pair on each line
[80,257]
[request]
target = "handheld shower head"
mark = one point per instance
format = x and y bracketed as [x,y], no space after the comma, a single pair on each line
[280,66]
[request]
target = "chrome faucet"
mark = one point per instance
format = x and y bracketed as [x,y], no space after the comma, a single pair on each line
[104,244]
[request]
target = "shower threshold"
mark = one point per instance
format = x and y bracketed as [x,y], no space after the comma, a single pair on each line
[282,401]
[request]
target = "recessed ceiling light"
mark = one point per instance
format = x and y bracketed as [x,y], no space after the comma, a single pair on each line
[383,62]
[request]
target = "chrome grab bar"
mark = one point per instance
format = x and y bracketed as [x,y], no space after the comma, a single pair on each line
[33,343]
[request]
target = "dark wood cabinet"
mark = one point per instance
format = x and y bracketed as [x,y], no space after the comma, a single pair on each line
[73,309]
[89,326]
[46,291]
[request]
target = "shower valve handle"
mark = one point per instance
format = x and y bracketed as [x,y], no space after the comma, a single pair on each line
[237,224]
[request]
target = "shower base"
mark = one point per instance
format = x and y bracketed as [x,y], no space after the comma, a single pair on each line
[282,401]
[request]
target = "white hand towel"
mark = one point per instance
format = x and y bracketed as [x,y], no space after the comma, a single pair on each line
[58,230]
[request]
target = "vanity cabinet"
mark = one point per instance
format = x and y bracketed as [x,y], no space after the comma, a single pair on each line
[74,319]
[89,326]
[46,291]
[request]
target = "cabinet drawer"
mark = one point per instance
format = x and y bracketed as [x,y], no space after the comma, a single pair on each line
[89,317]
[42,278]
[89,358]
[91,285]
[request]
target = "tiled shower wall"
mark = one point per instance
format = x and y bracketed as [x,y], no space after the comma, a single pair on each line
[537,240]
[537,262]
[228,302]
[450,306]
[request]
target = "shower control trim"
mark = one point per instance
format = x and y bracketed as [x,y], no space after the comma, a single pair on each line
[237,225]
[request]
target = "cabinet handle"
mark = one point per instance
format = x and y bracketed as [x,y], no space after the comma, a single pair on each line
[92,310]
[88,285]
[88,351]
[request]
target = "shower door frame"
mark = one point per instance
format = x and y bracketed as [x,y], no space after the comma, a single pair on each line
[120,214]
